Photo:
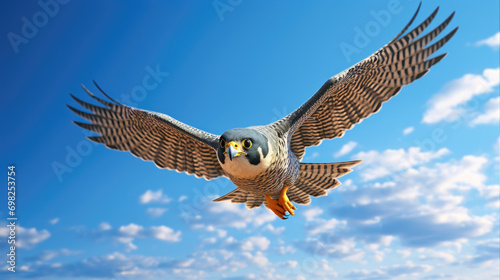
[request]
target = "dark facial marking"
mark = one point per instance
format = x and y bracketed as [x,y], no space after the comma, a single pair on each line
[220,152]
[239,134]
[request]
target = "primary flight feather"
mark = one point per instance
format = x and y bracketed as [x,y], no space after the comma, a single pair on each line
[264,162]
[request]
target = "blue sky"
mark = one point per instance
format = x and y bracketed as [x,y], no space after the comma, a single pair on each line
[423,205]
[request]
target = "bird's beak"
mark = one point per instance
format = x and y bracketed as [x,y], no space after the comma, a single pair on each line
[234,149]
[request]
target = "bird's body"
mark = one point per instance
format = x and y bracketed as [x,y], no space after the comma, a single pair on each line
[264,162]
[274,167]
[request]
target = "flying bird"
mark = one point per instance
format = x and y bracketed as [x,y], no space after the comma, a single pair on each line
[264,162]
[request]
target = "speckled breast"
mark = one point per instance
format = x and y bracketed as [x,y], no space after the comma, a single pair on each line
[283,171]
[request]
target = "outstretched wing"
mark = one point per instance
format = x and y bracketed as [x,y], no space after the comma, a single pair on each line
[356,93]
[238,195]
[151,136]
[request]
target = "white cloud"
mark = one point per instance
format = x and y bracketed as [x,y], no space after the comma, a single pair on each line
[404,253]
[255,242]
[378,256]
[26,238]
[104,226]
[227,214]
[324,226]
[154,197]
[492,194]
[156,212]
[114,265]
[384,240]
[211,264]
[312,213]
[426,197]
[421,208]
[462,175]
[182,198]
[285,250]
[321,270]
[333,247]
[379,164]
[221,233]
[438,256]
[493,41]
[487,254]
[491,113]
[347,148]
[408,269]
[366,274]
[408,130]
[258,258]
[126,234]
[448,104]
[51,254]
[292,264]
[251,243]
[275,230]
[54,221]
[210,240]
[130,230]
[491,191]
[165,233]
[129,246]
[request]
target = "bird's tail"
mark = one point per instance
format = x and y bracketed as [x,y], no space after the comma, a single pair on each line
[316,178]
[240,196]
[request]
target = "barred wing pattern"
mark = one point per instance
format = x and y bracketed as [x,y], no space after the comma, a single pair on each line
[151,136]
[315,179]
[240,196]
[356,93]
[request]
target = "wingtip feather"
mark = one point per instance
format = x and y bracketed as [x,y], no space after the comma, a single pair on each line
[83,125]
[97,139]
[76,111]
[104,93]
[407,25]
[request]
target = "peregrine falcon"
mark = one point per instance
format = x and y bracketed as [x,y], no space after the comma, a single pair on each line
[264,162]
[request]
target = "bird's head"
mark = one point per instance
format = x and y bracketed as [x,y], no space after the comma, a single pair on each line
[243,151]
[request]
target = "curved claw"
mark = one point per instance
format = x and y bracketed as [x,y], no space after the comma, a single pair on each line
[276,207]
[281,205]
[285,202]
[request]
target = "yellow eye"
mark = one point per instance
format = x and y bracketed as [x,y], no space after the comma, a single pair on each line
[222,143]
[247,143]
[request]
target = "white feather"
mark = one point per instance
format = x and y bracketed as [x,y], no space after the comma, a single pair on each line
[240,166]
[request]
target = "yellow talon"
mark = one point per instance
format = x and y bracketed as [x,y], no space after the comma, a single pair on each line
[285,202]
[281,205]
